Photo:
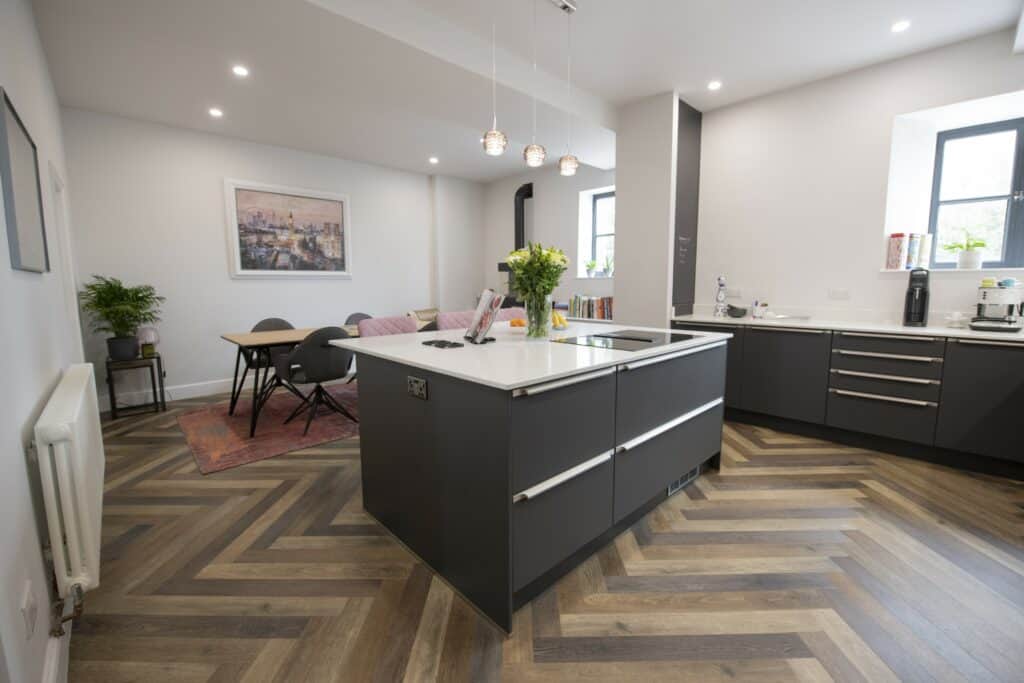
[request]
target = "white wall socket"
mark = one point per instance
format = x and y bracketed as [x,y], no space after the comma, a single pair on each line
[29,610]
[839,294]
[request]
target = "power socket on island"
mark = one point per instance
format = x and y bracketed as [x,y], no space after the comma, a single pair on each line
[417,387]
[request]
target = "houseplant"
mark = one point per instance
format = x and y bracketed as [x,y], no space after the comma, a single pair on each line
[591,267]
[120,310]
[537,270]
[609,266]
[968,253]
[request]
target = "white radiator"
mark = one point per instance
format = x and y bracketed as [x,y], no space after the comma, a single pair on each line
[69,442]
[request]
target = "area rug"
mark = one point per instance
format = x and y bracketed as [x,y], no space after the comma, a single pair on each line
[220,441]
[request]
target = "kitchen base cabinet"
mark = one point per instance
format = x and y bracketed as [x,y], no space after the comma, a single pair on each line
[882,415]
[785,372]
[982,399]
[734,357]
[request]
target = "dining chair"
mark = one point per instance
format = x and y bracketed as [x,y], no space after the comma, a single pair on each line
[259,361]
[455,320]
[354,318]
[378,327]
[316,361]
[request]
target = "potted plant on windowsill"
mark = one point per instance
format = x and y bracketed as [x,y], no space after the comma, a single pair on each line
[120,310]
[968,253]
[537,271]
[591,267]
[609,266]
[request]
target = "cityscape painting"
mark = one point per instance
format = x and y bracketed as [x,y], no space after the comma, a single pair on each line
[282,231]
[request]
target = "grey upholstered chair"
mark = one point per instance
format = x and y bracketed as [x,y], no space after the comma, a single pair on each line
[315,361]
[260,361]
[354,318]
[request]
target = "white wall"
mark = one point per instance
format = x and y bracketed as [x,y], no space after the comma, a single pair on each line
[552,220]
[459,216]
[645,209]
[149,206]
[793,185]
[38,340]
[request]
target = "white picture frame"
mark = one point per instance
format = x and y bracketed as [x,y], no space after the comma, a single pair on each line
[241,259]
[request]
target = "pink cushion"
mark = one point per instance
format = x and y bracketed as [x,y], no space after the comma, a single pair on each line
[506,314]
[377,327]
[454,320]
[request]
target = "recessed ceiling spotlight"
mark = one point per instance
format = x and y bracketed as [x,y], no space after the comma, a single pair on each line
[434,160]
[900,26]
[715,85]
[240,70]
[216,113]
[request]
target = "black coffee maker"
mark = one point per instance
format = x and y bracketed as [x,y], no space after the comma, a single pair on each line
[915,308]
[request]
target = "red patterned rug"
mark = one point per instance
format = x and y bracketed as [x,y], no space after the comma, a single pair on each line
[220,441]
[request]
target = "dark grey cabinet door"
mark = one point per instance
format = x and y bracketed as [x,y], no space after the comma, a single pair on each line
[734,356]
[785,372]
[982,399]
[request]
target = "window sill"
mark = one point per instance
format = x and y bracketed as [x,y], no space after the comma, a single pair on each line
[596,277]
[934,271]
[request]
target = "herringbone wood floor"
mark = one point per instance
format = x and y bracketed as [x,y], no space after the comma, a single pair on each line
[800,561]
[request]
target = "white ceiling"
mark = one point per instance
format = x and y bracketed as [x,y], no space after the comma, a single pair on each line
[395,81]
[626,49]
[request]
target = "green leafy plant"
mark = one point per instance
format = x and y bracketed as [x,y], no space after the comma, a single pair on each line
[968,244]
[591,265]
[117,308]
[609,264]
[537,269]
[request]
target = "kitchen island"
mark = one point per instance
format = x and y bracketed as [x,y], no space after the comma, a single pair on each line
[505,465]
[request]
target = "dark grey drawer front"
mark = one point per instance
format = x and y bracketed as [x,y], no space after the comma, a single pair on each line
[873,415]
[734,355]
[558,429]
[641,472]
[887,364]
[785,372]
[891,385]
[897,344]
[558,522]
[652,395]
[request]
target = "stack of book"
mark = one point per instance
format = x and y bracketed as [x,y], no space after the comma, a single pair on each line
[596,307]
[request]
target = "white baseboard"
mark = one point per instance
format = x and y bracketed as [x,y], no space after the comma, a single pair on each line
[55,664]
[174,392]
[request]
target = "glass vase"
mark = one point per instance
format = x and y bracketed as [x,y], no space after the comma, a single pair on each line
[538,316]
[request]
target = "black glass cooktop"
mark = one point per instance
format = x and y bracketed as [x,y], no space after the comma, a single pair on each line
[627,340]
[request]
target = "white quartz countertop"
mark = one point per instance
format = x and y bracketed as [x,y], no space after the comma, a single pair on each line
[511,361]
[865,327]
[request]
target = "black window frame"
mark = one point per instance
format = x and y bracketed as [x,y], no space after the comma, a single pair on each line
[1013,230]
[593,222]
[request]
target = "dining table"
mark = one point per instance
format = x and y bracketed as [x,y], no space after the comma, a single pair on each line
[254,347]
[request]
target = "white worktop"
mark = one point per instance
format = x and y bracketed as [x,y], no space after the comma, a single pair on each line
[511,361]
[859,326]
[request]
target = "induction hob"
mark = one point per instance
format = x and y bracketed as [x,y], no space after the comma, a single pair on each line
[627,340]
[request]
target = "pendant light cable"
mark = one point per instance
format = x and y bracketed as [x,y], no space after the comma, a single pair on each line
[534,31]
[568,82]
[494,68]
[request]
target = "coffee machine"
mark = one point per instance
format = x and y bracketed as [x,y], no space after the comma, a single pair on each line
[915,306]
[999,309]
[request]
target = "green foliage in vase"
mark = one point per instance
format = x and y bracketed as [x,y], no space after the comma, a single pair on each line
[117,308]
[970,243]
[537,269]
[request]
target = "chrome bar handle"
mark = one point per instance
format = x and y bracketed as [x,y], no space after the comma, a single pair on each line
[900,337]
[669,356]
[979,342]
[671,424]
[892,378]
[887,399]
[890,356]
[559,479]
[558,384]
[799,330]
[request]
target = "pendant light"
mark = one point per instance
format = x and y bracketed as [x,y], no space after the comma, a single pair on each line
[568,164]
[494,140]
[534,154]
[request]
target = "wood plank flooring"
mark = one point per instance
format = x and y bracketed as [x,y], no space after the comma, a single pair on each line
[800,561]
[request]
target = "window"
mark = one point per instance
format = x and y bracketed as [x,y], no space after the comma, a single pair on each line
[602,232]
[978,189]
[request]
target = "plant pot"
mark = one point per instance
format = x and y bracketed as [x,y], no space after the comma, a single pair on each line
[538,316]
[969,259]
[123,348]
[590,272]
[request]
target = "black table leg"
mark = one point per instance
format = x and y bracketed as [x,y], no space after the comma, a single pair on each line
[236,385]
[152,380]
[256,391]
[110,391]
[160,379]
